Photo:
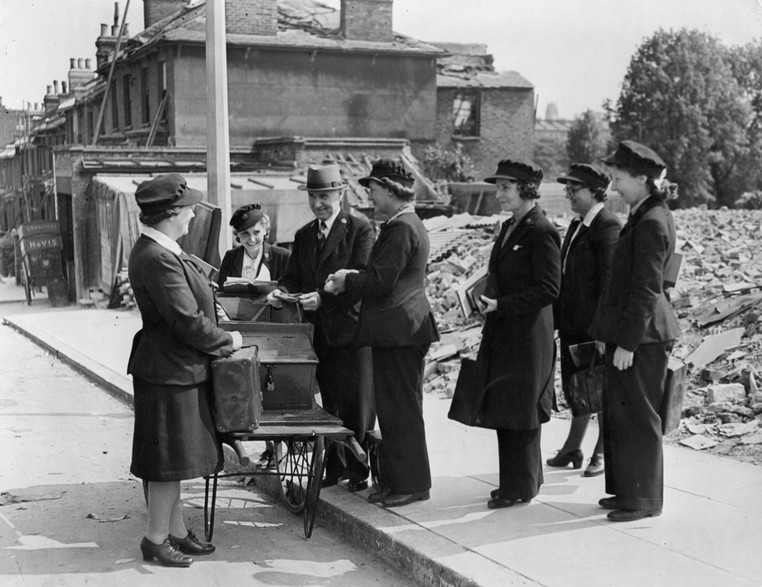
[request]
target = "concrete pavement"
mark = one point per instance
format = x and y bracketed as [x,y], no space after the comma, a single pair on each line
[709,534]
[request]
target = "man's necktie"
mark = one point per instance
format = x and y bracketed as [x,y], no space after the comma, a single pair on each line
[322,234]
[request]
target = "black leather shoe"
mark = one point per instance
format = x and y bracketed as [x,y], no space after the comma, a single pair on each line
[191,545]
[379,495]
[400,499]
[608,503]
[165,553]
[595,467]
[497,502]
[330,481]
[632,515]
[575,457]
[354,486]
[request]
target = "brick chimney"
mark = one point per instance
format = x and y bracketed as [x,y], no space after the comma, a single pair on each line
[106,42]
[51,99]
[367,20]
[156,10]
[79,72]
[251,17]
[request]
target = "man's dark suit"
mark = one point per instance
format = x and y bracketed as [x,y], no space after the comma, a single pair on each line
[343,372]
[396,320]
[274,258]
[635,315]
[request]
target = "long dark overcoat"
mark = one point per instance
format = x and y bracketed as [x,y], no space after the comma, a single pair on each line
[516,358]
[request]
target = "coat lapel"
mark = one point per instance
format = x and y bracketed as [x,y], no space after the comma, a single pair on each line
[513,239]
[335,236]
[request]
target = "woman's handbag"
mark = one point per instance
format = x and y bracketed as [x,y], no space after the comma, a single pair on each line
[586,389]
[467,396]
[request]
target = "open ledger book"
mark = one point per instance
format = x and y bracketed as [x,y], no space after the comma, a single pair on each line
[243,285]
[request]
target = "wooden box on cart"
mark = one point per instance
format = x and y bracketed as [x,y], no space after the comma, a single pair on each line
[287,362]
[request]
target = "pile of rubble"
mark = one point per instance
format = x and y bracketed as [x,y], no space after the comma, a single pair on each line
[717,301]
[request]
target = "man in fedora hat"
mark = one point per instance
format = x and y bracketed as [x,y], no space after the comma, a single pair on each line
[334,240]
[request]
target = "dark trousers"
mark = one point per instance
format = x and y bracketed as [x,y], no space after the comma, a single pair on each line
[344,375]
[520,459]
[632,437]
[398,387]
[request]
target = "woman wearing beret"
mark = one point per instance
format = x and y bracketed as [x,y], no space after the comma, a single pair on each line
[516,359]
[174,436]
[397,322]
[255,259]
[636,323]
[585,266]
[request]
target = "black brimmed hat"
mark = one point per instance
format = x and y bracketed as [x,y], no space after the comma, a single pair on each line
[391,170]
[164,192]
[585,174]
[638,158]
[524,171]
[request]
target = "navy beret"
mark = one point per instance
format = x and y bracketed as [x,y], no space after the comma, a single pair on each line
[388,169]
[524,171]
[586,174]
[638,158]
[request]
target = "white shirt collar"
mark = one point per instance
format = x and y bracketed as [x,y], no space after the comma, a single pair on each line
[634,207]
[591,214]
[162,239]
[330,221]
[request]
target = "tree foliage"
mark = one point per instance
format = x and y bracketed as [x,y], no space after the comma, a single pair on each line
[447,162]
[683,96]
[588,139]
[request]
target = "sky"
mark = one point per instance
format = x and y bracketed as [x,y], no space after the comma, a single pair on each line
[575,52]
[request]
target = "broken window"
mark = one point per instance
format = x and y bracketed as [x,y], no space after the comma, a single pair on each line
[466,114]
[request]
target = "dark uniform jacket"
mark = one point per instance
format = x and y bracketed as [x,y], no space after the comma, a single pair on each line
[347,246]
[588,265]
[634,309]
[516,359]
[395,310]
[180,336]
[274,258]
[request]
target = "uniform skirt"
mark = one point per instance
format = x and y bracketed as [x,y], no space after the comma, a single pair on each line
[174,437]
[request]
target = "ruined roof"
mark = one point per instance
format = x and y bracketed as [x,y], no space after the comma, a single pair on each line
[473,68]
[301,23]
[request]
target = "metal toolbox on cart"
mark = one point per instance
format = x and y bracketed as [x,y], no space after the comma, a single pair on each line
[287,362]
[237,391]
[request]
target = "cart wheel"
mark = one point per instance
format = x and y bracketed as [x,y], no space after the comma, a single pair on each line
[314,485]
[293,462]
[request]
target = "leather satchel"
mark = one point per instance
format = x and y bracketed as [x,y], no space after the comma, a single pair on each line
[586,389]
[467,397]
[674,390]
[237,391]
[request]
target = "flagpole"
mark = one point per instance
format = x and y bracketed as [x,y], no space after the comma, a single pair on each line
[217,132]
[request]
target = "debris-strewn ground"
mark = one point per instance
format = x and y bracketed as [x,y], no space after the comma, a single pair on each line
[717,299]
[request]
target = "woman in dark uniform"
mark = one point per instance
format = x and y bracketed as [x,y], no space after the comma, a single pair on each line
[170,361]
[636,323]
[585,266]
[516,359]
[397,322]
[255,259]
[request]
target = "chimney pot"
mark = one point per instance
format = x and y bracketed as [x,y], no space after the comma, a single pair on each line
[55,86]
[104,29]
[50,91]
[80,63]
[87,63]
[72,63]
[63,87]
